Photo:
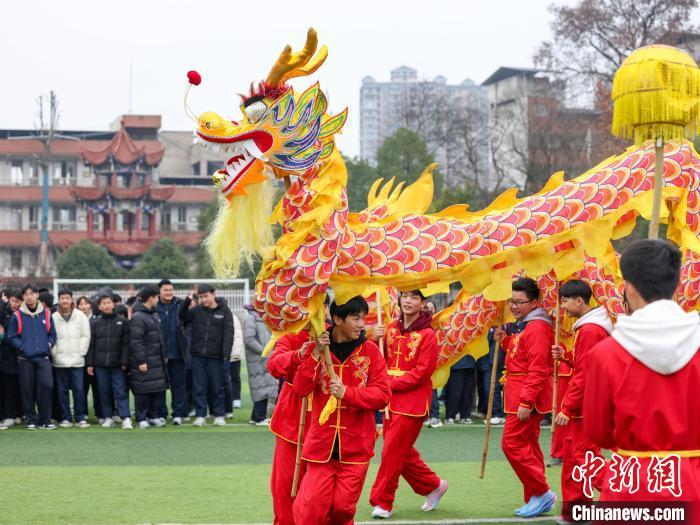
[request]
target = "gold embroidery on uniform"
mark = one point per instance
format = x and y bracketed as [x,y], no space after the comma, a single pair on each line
[413,344]
[362,373]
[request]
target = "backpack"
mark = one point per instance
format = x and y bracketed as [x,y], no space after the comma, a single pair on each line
[47,315]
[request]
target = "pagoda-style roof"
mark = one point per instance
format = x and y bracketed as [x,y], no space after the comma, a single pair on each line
[123,149]
[158,194]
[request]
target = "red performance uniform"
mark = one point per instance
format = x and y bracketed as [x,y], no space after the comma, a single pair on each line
[412,358]
[563,378]
[641,400]
[589,330]
[283,364]
[528,383]
[338,452]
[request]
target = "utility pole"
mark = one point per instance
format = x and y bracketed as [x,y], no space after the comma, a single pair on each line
[47,129]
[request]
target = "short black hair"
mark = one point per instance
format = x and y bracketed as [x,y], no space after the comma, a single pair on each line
[131,300]
[83,298]
[116,298]
[147,292]
[104,296]
[65,291]
[354,306]
[417,292]
[163,282]
[576,288]
[205,288]
[653,267]
[16,294]
[527,285]
[28,287]
[46,298]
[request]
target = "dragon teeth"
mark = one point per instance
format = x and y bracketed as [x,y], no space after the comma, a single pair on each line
[252,148]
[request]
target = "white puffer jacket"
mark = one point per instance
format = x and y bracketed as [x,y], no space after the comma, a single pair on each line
[72,340]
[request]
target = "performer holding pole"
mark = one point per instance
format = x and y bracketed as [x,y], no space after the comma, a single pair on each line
[528,394]
[339,443]
[412,353]
[563,368]
[492,391]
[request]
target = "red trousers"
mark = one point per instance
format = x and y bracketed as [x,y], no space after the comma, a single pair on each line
[281,480]
[575,446]
[400,458]
[522,449]
[557,450]
[329,493]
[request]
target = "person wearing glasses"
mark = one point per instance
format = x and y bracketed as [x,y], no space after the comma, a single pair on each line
[528,393]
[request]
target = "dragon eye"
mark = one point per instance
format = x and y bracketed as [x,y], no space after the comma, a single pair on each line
[255,111]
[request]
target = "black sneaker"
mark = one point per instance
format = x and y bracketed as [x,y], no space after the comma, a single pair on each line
[49,426]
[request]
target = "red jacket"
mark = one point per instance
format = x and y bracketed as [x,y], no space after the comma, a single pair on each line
[364,375]
[283,363]
[630,407]
[411,357]
[585,339]
[529,368]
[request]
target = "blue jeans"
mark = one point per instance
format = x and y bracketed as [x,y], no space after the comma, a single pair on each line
[36,385]
[71,379]
[177,370]
[208,378]
[435,406]
[111,384]
[498,392]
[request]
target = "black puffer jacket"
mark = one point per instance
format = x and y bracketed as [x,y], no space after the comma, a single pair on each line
[8,354]
[211,329]
[109,342]
[146,346]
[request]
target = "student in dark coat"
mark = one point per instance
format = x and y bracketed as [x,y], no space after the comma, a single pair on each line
[149,376]
[10,401]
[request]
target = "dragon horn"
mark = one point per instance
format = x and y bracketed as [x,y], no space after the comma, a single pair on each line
[291,65]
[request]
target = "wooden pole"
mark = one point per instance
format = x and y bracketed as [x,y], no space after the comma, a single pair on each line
[378,300]
[555,388]
[297,465]
[489,409]
[658,188]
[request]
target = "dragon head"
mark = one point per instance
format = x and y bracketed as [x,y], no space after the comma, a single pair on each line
[287,133]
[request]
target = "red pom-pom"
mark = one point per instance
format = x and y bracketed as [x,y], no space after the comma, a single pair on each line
[194,78]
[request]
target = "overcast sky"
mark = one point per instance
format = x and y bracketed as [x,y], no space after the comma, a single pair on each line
[83,51]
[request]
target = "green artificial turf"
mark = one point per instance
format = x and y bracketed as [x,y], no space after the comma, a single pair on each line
[216,475]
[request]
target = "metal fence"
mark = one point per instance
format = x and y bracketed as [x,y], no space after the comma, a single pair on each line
[236,292]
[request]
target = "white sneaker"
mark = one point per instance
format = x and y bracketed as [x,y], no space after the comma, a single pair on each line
[126,424]
[65,424]
[449,421]
[143,425]
[236,403]
[82,424]
[498,420]
[380,513]
[264,423]
[159,422]
[435,423]
[432,499]
[426,422]
[219,422]
[467,421]
[117,420]
[199,422]
[18,421]
[31,426]
[100,420]
[191,413]
[9,422]
[108,423]
[228,415]
[177,421]
[3,427]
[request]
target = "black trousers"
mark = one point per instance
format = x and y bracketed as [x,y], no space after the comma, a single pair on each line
[147,405]
[460,393]
[10,397]
[235,373]
[36,385]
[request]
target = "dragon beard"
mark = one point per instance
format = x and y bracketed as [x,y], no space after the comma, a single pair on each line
[241,230]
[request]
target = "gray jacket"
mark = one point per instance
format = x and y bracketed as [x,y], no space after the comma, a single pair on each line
[255,337]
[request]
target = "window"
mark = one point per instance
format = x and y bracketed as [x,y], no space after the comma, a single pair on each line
[64,172]
[195,168]
[15,259]
[64,218]
[145,220]
[15,218]
[181,218]
[16,173]
[165,220]
[32,173]
[213,166]
[34,217]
